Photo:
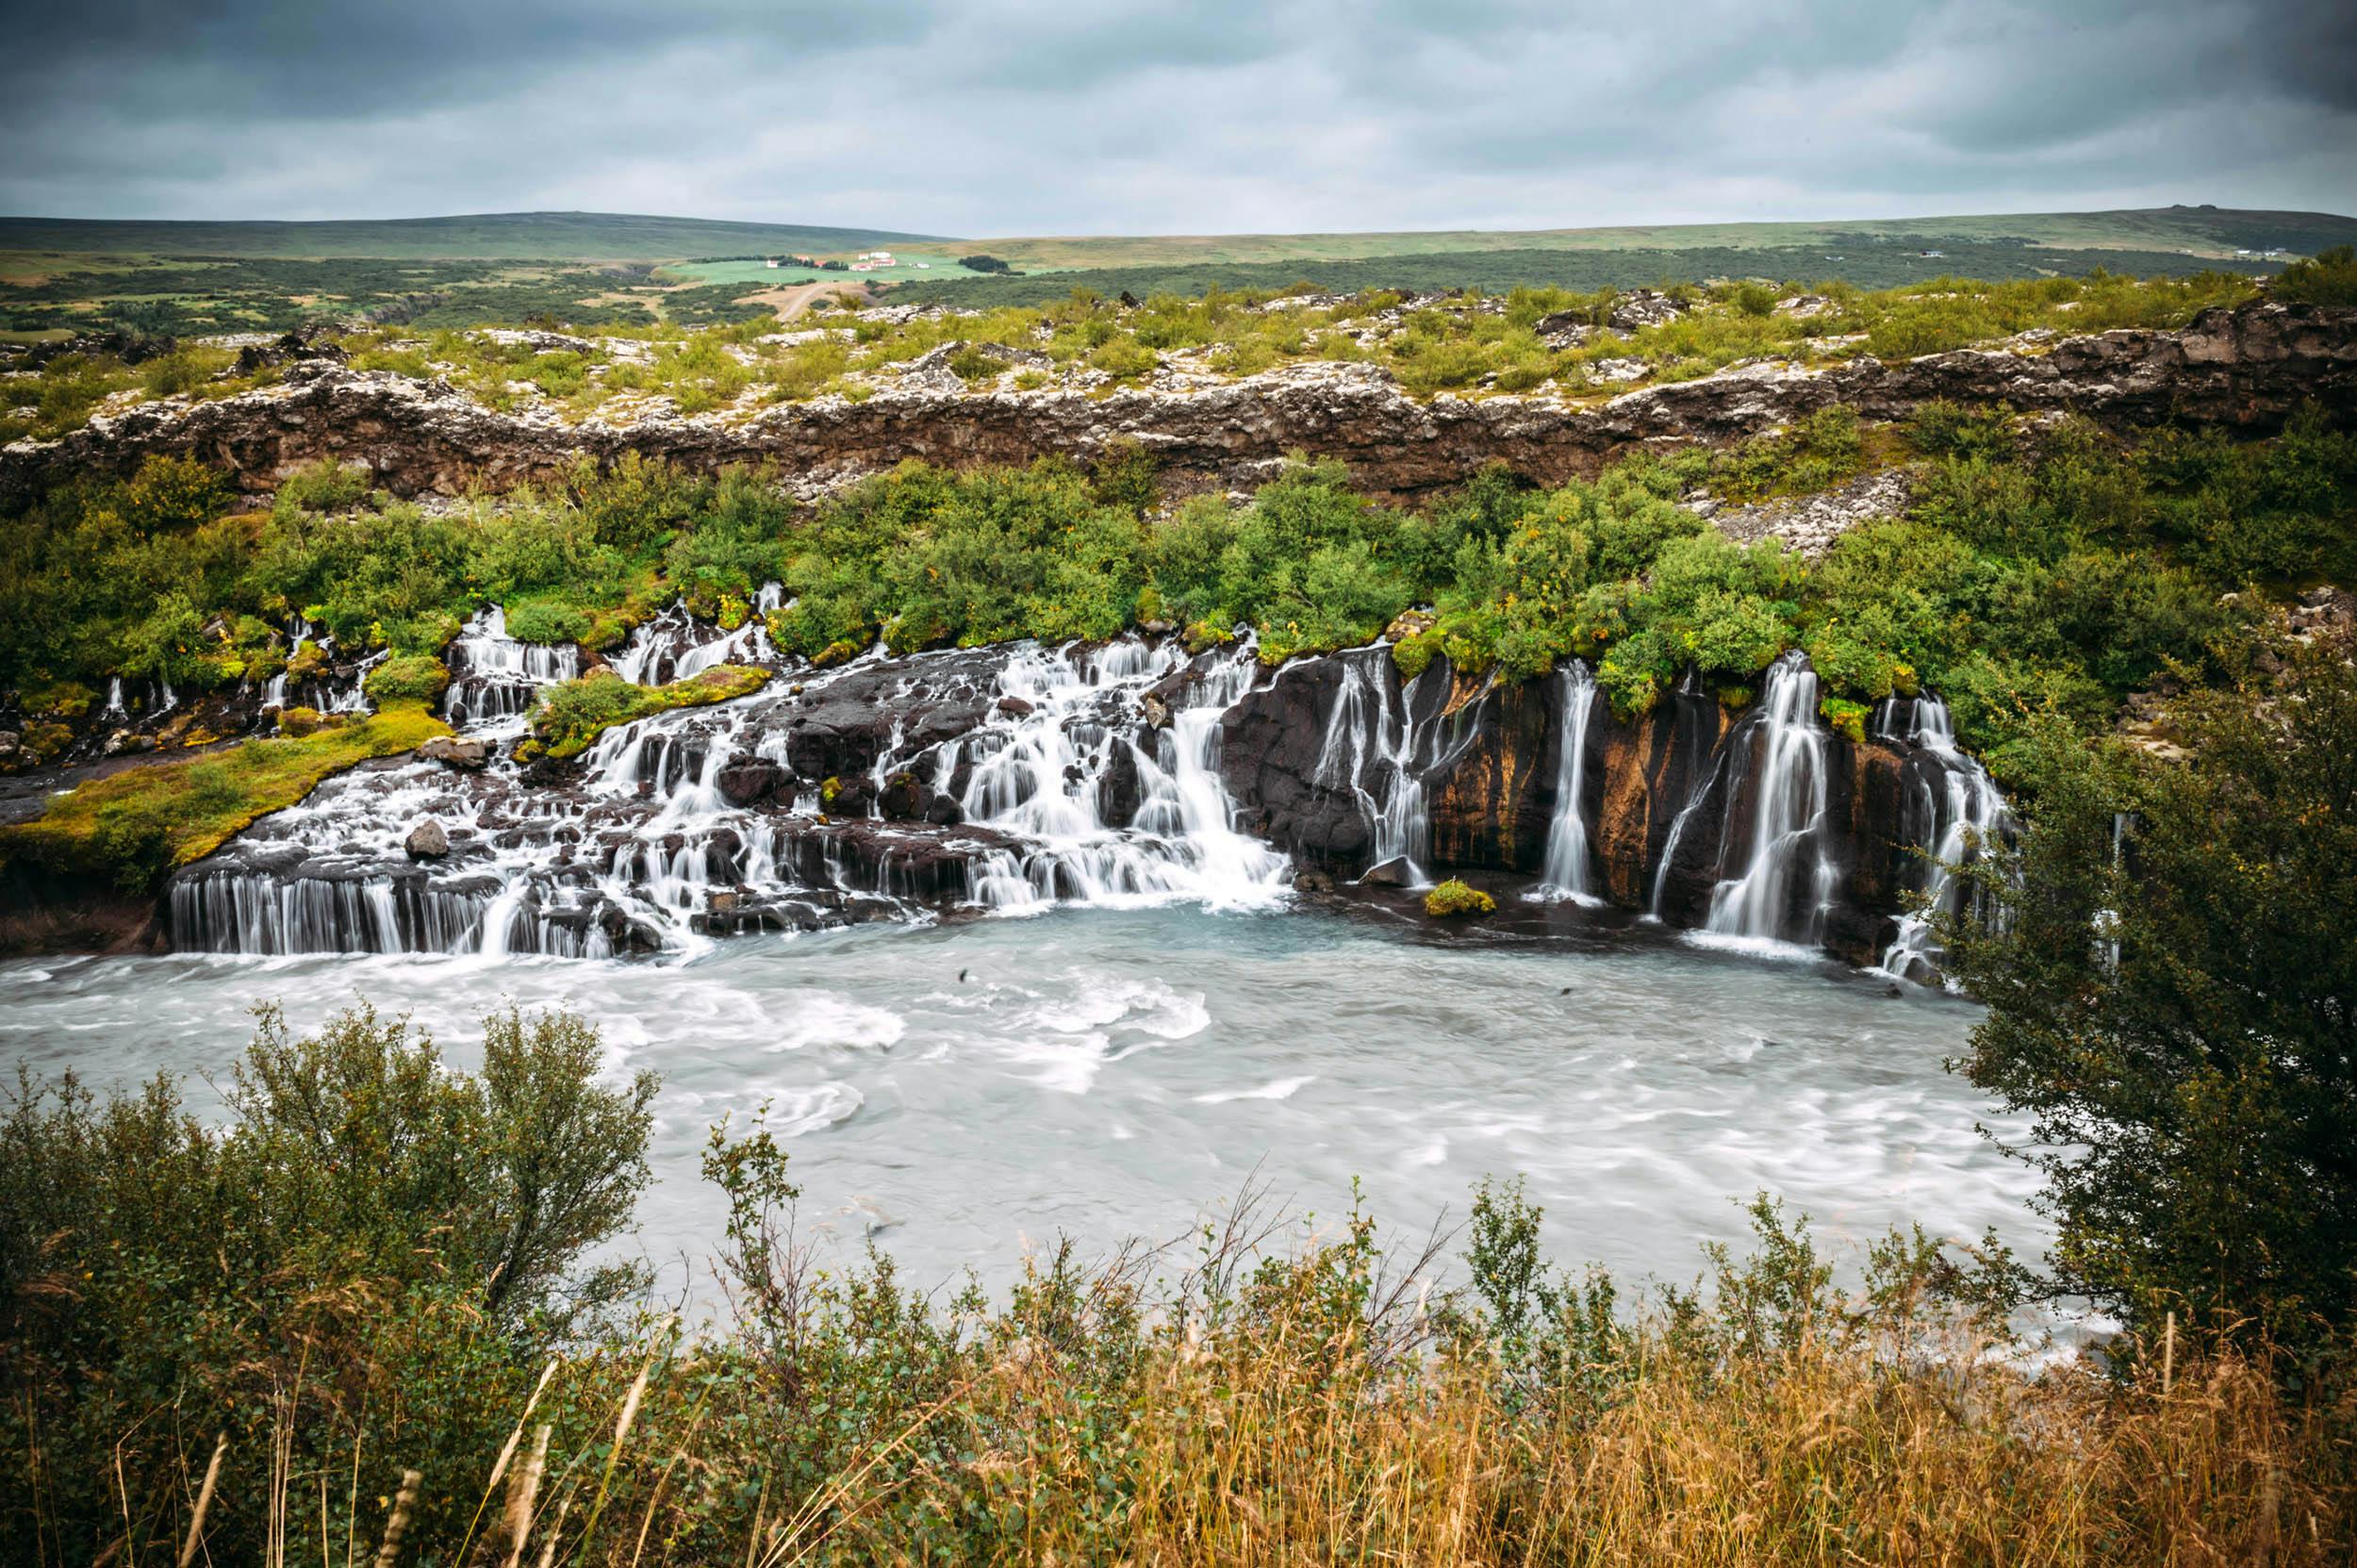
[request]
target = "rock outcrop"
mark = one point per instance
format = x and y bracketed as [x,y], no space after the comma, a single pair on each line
[2248,369]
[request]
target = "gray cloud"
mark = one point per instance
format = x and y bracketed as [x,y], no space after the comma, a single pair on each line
[1039,116]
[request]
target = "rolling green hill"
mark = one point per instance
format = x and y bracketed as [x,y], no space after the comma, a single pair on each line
[492,236]
[59,277]
[1872,264]
[2206,231]
[2202,231]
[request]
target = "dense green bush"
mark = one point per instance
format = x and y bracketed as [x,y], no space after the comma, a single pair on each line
[407,677]
[2172,987]
[2329,277]
[369,1242]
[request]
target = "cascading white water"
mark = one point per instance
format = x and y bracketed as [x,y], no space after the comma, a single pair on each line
[640,853]
[1787,816]
[1956,816]
[1565,874]
[673,646]
[495,679]
[1041,774]
[274,690]
[1378,750]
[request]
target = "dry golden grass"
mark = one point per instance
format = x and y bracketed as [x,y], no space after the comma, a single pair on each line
[1274,1443]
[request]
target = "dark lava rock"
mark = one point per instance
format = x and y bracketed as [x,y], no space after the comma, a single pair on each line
[427,841]
[904,798]
[747,781]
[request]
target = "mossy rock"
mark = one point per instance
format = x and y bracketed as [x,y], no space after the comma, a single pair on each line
[1453,899]
[408,678]
[573,715]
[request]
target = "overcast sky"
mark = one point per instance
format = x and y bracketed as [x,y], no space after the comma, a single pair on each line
[1019,117]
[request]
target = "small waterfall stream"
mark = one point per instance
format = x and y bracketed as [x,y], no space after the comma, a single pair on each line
[674,647]
[1565,876]
[1787,818]
[1385,739]
[1952,819]
[494,679]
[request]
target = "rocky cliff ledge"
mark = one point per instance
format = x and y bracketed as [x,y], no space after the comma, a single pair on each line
[2246,368]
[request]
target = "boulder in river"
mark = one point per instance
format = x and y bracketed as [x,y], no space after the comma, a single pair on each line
[450,752]
[427,841]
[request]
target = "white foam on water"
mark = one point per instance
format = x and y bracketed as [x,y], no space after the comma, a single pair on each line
[819,1018]
[1283,1088]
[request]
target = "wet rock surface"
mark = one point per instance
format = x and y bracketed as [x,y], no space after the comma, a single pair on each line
[948,784]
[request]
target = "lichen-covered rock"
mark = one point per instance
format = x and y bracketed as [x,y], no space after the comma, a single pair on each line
[1810,523]
[2246,368]
[450,752]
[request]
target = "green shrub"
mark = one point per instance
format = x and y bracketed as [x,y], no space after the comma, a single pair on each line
[407,677]
[573,713]
[2166,968]
[1454,899]
[367,1228]
[2329,277]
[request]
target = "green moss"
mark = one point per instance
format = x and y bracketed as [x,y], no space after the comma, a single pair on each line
[62,699]
[136,825]
[1454,899]
[1847,718]
[1414,653]
[573,715]
[408,678]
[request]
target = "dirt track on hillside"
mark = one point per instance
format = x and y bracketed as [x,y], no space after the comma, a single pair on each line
[791,302]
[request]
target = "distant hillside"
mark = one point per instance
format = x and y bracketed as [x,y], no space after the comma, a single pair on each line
[492,236]
[2201,231]
[1873,264]
[2205,231]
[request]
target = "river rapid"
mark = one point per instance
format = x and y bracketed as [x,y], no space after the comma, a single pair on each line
[959,1093]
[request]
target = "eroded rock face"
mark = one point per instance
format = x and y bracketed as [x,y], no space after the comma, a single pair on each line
[1669,799]
[2246,368]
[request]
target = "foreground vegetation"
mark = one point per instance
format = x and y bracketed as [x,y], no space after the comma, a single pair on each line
[361,1312]
[2167,956]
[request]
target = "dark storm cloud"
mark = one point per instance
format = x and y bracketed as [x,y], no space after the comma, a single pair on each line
[1044,116]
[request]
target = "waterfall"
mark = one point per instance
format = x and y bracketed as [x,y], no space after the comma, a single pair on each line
[1787,816]
[274,690]
[1565,875]
[496,679]
[1952,818]
[674,645]
[1062,792]
[114,698]
[1042,774]
[1378,750]
[1694,800]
